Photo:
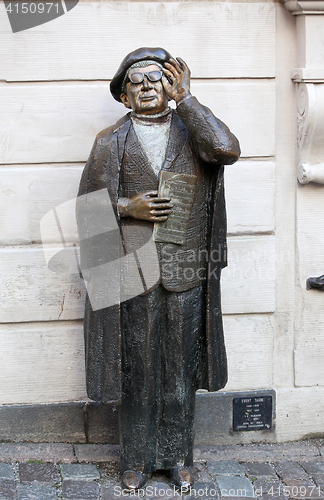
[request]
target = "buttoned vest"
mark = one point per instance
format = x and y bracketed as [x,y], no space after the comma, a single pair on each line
[181,266]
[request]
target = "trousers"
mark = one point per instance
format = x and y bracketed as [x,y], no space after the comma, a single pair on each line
[162,336]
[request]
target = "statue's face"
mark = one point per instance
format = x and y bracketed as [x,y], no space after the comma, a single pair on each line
[145,98]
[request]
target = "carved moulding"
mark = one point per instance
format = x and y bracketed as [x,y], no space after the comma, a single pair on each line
[300,7]
[310,132]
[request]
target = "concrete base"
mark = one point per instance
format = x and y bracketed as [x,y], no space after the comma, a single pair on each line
[81,422]
[214,419]
[77,422]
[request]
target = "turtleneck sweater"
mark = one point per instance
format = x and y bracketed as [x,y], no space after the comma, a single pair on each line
[153,133]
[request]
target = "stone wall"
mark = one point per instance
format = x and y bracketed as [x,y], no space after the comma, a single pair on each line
[54,98]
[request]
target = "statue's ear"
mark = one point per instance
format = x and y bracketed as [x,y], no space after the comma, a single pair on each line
[125,100]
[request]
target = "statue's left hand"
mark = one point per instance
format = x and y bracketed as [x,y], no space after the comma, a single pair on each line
[179,74]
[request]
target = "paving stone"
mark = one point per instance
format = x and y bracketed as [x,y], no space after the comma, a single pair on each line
[109,473]
[225,468]
[96,452]
[238,498]
[303,490]
[112,492]
[313,467]
[201,473]
[271,496]
[7,489]
[319,480]
[268,488]
[256,469]
[107,492]
[47,452]
[234,486]
[6,471]
[36,492]
[204,491]
[290,472]
[43,473]
[80,472]
[81,480]
[161,490]
[260,452]
[80,490]
[298,483]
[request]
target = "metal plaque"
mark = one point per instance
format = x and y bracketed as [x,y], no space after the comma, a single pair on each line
[252,414]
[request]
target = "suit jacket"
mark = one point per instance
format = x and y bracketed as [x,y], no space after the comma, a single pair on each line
[181,267]
[212,145]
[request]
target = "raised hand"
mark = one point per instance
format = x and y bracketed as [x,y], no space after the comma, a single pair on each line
[178,73]
[148,206]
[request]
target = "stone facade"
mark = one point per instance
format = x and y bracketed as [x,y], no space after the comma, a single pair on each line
[248,60]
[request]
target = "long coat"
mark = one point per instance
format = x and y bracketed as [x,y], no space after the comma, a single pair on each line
[214,145]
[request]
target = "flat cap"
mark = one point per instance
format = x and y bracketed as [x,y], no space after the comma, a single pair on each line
[143,54]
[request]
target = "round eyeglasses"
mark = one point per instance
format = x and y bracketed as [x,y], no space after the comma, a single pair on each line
[153,76]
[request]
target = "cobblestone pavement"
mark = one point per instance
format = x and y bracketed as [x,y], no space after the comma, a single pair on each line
[82,472]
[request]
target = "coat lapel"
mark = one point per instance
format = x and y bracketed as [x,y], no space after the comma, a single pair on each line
[138,158]
[177,140]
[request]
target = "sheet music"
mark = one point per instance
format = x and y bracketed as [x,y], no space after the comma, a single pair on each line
[181,189]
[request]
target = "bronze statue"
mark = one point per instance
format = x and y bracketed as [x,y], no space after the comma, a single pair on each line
[315,283]
[152,352]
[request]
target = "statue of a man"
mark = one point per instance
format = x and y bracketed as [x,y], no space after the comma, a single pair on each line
[152,352]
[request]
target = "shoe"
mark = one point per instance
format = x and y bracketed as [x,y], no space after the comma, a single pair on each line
[181,477]
[132,480]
